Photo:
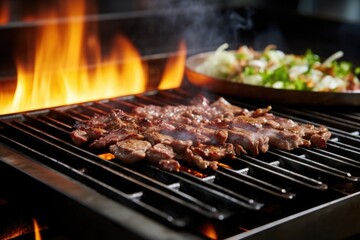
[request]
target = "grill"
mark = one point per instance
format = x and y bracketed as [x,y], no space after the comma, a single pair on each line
[298,194]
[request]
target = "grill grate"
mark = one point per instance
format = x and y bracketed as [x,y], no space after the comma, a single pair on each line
[242,194]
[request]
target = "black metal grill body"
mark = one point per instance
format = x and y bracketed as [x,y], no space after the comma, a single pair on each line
[302,193]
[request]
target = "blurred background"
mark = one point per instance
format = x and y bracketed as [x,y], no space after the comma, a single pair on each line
[157,26]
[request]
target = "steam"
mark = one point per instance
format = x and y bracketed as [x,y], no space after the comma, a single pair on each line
[212,27]
[203,25]
[237,22]
[272,35]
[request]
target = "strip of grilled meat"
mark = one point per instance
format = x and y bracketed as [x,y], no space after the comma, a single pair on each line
[200,134]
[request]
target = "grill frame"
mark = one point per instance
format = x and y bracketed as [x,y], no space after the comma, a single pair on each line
[338,208]
[100,216]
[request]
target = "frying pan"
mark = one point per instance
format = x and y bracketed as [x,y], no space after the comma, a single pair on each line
[271,95]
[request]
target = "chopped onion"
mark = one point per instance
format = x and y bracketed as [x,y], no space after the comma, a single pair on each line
[297,70]
[333,57]
[273,68]
[257,63]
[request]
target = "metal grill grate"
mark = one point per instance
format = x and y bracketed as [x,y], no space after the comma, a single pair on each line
[242,194]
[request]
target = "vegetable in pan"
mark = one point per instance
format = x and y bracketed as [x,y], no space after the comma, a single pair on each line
[273,68]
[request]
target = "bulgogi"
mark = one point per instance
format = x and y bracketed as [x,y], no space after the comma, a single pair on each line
[199,134]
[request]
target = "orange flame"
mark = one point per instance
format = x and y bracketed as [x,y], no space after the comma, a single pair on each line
[106,156]
[209,231]
[174,69]
[68,65]
[4,11]
[57,77]
[36,230]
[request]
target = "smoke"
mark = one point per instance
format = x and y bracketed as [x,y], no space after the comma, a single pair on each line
[272,35]
[204,25]
[239,22]
[214,26]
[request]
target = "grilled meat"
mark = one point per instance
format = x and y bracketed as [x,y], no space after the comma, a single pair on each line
[114,137]
[169,165]
[214,152]
[130,150]
[102,125]
[200,134]
[160,152]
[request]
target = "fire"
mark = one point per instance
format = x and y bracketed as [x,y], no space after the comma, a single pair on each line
[174,69]
[209,231]
[36,230]
[4,11]
[68,65]
[106,156]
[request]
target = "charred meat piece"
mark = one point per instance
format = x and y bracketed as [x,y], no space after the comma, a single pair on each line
[194,159]
[79,137]
[214,152]
[170,165]
[155,137]
[227,109]
[304,130]
[251,142]
[101,125]
[200,134]
[130,150]
[160,152]
[179,146]
[320,138]
[283,139]
[283,133]
[83,135]
[113,137]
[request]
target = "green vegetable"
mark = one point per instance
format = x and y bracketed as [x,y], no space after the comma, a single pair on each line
[301,85]
[248,70]
[274,68]
[240,56]
[311,58]
[280,74]
[341,69]
[357,70]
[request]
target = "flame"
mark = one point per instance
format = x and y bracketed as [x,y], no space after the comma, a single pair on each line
[224,165]
[106,156]
[57,74]
[36,230]
[193,172]
[209,231]
[174,69]
[68,64]
[4,11]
